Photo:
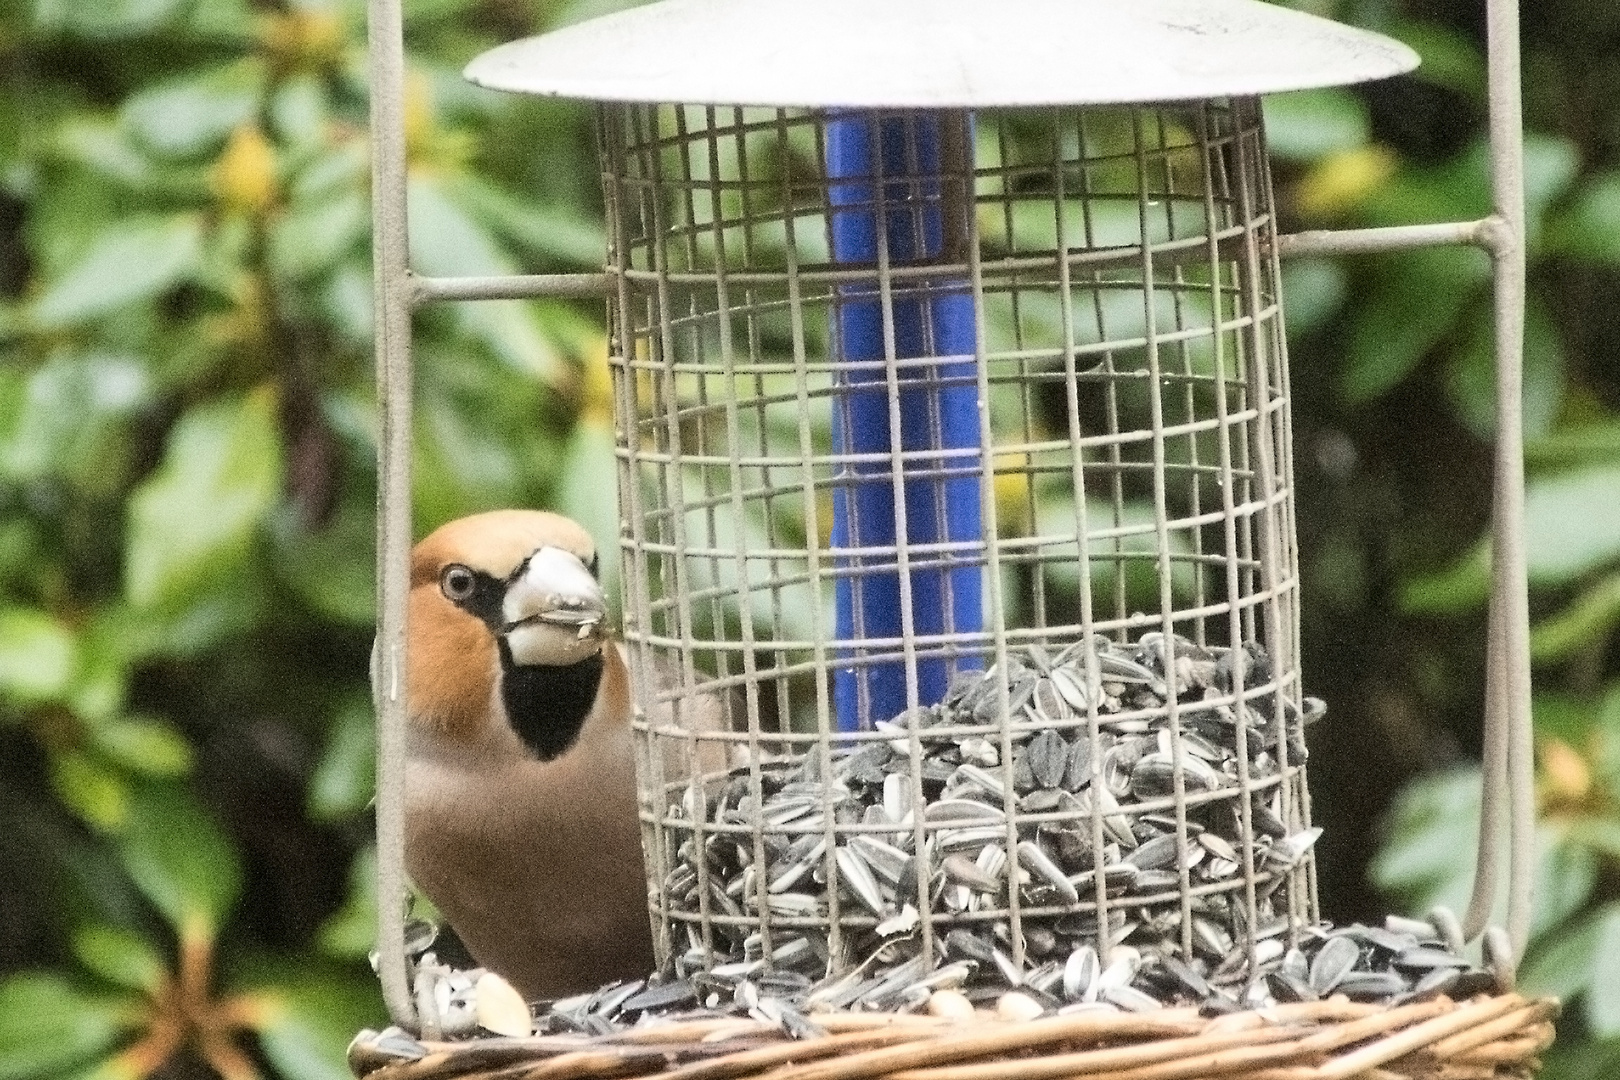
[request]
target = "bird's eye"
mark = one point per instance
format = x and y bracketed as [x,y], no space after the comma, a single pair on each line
[457,582]
[595,565]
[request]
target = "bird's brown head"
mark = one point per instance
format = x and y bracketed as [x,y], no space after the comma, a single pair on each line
[506,601]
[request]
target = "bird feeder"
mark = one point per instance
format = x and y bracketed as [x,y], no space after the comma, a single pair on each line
[952,409]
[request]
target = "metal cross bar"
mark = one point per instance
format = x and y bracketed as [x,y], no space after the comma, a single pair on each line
[1485,233]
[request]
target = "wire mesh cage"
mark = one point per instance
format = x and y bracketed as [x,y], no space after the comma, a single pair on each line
[1127,496]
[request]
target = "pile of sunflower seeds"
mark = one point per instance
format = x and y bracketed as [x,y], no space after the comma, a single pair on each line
[1404,960]
[1083,804]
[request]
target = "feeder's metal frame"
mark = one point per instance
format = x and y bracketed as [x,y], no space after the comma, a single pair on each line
[398,291]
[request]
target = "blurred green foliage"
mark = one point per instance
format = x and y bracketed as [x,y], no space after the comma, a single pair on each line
[187,487]
[187,492]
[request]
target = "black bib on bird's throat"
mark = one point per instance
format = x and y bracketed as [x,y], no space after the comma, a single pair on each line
[547,705]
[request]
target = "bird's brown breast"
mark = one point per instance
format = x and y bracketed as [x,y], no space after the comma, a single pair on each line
[536,864]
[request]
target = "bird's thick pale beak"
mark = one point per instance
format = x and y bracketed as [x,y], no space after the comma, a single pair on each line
[553,611]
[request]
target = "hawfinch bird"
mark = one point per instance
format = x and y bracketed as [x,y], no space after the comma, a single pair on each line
[521,820]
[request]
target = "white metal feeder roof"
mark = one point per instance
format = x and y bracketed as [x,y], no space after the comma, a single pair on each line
[940,53]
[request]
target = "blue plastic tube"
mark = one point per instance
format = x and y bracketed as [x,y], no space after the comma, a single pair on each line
[938,412]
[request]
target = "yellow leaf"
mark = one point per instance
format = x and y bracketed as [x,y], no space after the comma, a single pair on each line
[303,40]
[1012,494]
[596,388]
[1566,778]
[418,115]
[1339,182]
[244,176]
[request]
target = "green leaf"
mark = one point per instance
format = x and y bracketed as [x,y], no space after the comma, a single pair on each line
[105,150]
[1472,382]
[104,18]
[1583,443]
[1602,835]
[1585,623]
[1451,58]
[47,1026]
[314,235]
[120,957]
[460,466]
[1309,124]
[346,303]
[1572,523]
[447,241]
[1580,1058]
[1432,836]
[192,115]
[351,932]
[1465,585]
[70,421]
[1565,874]
[224,20]
[143,744]
[131,260]
[418,12]
[1589,229]
[1313,291]
[37,655]
[1603,995]
[86,786]
[1562,715]
[347,775]
[308,1019]
[1560,964]
[298,111]
[549,230]
[1550,163]
[1608,723]
[588,491]
[332,569]
[189,626]
[197,514]
[179,859]
[1411,305]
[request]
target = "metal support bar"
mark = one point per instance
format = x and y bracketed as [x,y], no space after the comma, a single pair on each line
[1391,238]
[425,290]
[392,301]
[1508,743]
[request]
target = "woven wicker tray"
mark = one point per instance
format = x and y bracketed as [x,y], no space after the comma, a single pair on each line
[1488,1038]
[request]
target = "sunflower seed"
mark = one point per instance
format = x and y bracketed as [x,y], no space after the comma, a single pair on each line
[1034,859]
[1130,999]
[966,872]
[1336,959]
[1048,758]
[961,810]
[1080,974]
[885,860]
[1423,958]
[858,876]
